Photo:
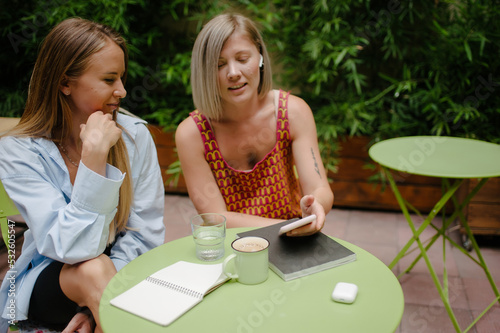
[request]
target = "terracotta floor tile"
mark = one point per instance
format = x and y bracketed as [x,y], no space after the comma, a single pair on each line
[420,289]
[492,258]
[372,228]
[490,322]
[178,210]
[336,223]
[337,214]
[468,268]
[405,233]
[480,293]
[384,253]
[435,254]
[432,319]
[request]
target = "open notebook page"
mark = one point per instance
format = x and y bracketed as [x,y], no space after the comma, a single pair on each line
[170,292]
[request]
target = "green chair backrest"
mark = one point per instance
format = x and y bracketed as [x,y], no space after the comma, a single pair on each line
[7,208]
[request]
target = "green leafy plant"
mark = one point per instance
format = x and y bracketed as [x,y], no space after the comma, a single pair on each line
[391,68]
[26,23]
[366,67]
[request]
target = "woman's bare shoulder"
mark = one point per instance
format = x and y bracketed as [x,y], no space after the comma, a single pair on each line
[297,104]
[187,133]
[298,110]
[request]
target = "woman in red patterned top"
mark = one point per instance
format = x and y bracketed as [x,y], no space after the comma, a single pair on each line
[248,151]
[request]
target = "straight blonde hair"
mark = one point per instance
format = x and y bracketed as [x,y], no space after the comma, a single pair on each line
[65,53]
[205,58]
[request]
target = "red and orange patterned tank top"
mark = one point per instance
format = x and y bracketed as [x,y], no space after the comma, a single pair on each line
[271,188]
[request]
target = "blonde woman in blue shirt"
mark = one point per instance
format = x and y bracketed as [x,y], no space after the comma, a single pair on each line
[84,177]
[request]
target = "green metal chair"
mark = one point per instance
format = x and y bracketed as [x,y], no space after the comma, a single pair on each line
[7,208]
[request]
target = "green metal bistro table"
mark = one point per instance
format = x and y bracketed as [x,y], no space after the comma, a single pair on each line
[453,160]
[301,305]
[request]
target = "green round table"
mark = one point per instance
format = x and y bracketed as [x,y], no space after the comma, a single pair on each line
[439,156]
[301,305]
[446,158]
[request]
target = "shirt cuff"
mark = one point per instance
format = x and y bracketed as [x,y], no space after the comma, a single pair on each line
[94,192]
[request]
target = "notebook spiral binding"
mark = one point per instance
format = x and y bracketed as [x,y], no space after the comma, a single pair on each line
[175,287]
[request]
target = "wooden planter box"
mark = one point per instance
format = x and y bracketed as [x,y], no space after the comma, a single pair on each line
[483,211]
[352,188]
[165,147]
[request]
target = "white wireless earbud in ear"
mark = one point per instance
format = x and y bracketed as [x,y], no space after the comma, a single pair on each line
[261,62]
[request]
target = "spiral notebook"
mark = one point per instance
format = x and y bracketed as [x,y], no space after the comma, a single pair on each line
[170,292]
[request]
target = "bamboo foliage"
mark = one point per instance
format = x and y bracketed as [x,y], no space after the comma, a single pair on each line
[366,67]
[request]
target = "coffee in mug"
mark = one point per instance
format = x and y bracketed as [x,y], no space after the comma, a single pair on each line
[251,261]
[250,245]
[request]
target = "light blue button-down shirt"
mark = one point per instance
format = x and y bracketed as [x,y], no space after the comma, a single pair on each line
[70,223]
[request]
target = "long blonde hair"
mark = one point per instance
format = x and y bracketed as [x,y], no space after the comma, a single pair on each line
[205,58]
[66,52]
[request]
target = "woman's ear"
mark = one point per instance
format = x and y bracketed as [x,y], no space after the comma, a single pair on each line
[64,86]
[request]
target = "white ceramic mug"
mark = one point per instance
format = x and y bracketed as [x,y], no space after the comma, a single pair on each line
[251,260]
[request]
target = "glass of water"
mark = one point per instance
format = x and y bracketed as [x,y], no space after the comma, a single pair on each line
[209,232]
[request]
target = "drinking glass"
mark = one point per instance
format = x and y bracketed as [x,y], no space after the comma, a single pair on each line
[209,233]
